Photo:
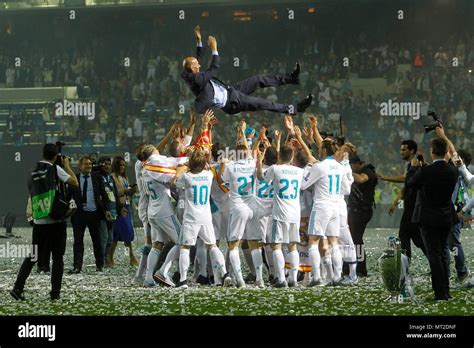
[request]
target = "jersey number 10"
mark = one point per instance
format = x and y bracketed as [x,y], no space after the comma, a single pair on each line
[200,194]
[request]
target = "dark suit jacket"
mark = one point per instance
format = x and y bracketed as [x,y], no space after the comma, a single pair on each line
[100,196]
[435,184]
[200,83]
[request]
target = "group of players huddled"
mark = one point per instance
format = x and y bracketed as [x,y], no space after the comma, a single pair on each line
[282,203]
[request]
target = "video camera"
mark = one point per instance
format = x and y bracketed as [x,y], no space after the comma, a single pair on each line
[59,160]
[437,123]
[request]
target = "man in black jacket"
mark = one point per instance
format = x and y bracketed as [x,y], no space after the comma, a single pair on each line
[211,92]
[360,207]
[436,214]
[92,201]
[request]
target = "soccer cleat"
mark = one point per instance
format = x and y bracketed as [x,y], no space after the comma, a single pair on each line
[260,284]
[138,280]
[292,284]
[202,280]
[250,278]
[315,282]
[163,279]
[272,279]
[463,278]
[182,284]
[147,284]
[282,284]
[304,104]
[336,282]
[175,277]
[226,280]
[17,295]
[350,281]
[240,284]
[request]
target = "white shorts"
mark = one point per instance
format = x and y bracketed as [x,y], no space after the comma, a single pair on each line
[220,220]
[259,227]
[283,232]
[190,232]
[164,229]
[239,222]
[324,222]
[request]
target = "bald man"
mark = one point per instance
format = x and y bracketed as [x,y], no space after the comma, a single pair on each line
[211,92]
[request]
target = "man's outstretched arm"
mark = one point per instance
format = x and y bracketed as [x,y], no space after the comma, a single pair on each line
[199,48]
[203,78]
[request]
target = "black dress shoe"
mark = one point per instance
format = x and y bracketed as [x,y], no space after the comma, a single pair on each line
[55,296]
[304,104]
[296,73]
[74,271]
[99,269]
[17,295]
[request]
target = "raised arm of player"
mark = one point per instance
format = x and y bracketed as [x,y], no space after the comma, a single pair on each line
[305,148]
[161,146]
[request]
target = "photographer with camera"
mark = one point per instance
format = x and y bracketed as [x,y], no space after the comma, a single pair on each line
[459,199]
[49,211]
[436,215]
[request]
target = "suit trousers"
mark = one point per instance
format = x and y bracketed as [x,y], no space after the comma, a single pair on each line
[50,238]
[410,232]
[80,221]
[239,98]
[435,239]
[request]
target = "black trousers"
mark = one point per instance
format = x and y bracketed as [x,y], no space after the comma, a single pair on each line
[49,238]
[239,98]
[80,221]
[436,242]
[358,220]
[410,232]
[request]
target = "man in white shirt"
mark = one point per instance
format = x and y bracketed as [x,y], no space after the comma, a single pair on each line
[197,219]
[286,212]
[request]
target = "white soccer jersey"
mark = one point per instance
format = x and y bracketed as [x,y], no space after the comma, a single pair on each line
[264,194]
[329,179]
[143,200]
[220,196]
[197,187]
[159,170]
[286,183]
[241,177]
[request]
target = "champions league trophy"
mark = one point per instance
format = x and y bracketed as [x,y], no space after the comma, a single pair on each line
[394,266]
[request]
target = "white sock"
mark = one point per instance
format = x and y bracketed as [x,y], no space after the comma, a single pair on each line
[279,264]
[269,258]
[201,256]
[258,262]
[151,262]
[183,264]
[235,262]
[315,259]
[248,258]
[172,256]
[143,261]
[350,257]
[327,263]
[294,258]
[218,264]
[336,262]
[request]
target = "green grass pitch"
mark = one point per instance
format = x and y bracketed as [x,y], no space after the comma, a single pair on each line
[113,293]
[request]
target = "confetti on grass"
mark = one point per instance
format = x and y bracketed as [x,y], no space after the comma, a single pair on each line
[113,293]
